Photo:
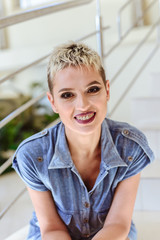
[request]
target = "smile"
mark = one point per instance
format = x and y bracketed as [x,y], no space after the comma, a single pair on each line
[88,116]
[85,118]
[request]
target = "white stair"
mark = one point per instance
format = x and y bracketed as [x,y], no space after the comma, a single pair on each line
[148,197]
[19,215]
[146,116]
[147,224]
[20,234]
[146,112]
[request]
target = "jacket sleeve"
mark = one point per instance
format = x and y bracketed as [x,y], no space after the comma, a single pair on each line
[136,162]
[24,164]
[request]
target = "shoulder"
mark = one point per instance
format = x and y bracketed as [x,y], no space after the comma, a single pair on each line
[126,130]
[32,158]
[39,144]
[128,137]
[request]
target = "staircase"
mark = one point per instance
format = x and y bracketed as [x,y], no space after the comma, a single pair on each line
[146,116]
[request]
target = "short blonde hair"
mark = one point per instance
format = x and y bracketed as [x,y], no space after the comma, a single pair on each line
[73,54]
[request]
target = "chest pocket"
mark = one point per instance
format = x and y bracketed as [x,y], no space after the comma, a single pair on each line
[65,217]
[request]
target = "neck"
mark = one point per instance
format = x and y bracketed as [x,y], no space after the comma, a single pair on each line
[83,146]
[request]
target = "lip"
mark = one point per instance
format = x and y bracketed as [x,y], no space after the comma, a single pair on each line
[86,121]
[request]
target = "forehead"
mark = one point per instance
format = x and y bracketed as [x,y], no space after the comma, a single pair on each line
[72,75]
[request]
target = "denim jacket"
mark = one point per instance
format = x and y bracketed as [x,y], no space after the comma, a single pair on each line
[44,163]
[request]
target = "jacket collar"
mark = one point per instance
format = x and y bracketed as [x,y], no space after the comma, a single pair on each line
[109,154]
[110,157]
[61,157]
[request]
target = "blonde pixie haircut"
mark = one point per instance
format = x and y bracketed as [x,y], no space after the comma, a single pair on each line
[76,55]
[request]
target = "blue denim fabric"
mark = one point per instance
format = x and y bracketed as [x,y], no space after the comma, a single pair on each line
[44,163]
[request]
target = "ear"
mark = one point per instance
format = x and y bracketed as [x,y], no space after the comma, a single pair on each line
[108,89]
[51,100]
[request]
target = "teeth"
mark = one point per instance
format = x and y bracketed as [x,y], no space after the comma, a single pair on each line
[86,117]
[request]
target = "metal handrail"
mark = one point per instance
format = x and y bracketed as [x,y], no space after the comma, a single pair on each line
[5,210]
[119,16]
[127,61]
[128,31]
[138,19]
[38,12]
[11,75]
[7,163]
[99,27]
[133,81]
[21,109]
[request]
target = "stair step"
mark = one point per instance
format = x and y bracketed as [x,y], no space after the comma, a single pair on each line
[148,197]
[152,170]
[154,83]
[153,136]
[147,224]
[20,234]
[145,110]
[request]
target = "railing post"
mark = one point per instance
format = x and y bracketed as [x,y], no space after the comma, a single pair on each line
[3,43]
[158,26]
[119,25]
[139,11]
[99,30]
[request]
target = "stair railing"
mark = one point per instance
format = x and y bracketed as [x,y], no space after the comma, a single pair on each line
[123,36]
[138,19]
[39,12]
[135,51]
[133,81]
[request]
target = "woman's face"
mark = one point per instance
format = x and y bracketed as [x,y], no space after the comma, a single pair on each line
[80,97]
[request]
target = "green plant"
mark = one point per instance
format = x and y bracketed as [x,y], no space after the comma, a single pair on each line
[21,128]
[25,125]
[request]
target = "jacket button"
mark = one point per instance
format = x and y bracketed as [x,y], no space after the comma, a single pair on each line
[86,204]
[130,158]
[85,220]
[40,159]
[86,235]
[126,132]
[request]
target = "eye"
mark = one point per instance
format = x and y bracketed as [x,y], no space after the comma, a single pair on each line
[93,89]
[67,95]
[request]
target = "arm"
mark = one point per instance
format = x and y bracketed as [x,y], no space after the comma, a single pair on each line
[118,221]
[51,225]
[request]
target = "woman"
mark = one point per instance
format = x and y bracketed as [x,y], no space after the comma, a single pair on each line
[82,174]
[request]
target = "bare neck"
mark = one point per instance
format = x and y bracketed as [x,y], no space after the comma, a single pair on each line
[86,154]
[84,146]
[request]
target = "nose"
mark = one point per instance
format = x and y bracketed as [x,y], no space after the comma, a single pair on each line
[82,103]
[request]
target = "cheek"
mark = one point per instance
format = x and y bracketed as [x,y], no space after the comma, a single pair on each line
[102,100]
[102,105]
[65,108]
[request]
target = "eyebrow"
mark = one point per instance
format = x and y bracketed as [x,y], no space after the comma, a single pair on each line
[94,82]
[71,89]
[65,89]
